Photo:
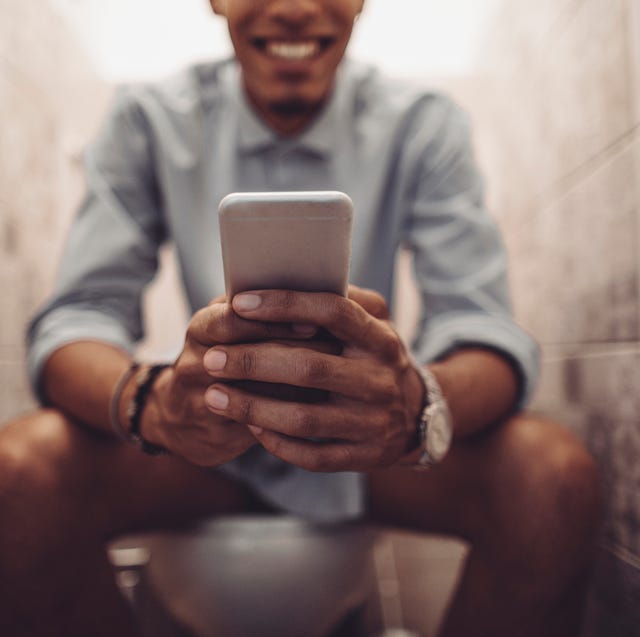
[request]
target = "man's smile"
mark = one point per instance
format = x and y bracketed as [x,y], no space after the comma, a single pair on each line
[297,50]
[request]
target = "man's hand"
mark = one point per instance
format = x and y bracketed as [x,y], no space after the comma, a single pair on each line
[374,392]
[176,416]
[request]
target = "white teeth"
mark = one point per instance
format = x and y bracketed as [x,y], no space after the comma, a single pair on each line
[293,50]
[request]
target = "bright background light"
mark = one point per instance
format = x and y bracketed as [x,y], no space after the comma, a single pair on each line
[141,39]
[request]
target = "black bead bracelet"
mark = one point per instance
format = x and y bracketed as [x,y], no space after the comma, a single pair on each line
[144,381]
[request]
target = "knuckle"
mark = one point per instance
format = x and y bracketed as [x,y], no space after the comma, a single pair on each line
[222,298]
[369,325]
[314,370]
[372,300]
[381,388]
[305,422]
[336,309]
[377,427]
[345,458]
[387,388]
[188,365]
[182,368]
[220,326]
[194,330]
[287,299]
[245,410]
[391,346]
[380,309]
[248,363]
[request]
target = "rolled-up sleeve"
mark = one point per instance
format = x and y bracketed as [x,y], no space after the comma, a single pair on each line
[112,246]
[459,258]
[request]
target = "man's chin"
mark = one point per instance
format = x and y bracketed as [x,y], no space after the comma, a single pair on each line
[294,108]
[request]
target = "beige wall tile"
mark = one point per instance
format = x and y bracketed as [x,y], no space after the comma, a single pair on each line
[557,112]
[594,390]
[560,99]
[633,20]
[49,99]
[15,397]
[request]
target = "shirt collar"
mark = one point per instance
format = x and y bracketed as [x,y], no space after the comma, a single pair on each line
[319,138]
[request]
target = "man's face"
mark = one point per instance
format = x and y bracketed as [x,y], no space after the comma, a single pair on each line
[289,51]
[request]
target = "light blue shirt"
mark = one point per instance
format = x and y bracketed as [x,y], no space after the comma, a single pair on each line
[170,152]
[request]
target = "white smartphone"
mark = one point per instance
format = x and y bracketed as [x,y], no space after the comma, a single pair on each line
[286,240]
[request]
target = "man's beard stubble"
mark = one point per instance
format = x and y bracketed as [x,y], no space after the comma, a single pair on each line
[294,109]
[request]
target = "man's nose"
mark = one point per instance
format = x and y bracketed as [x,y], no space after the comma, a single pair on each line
[293,13]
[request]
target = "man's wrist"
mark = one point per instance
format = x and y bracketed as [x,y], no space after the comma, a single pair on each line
[120,399]
[419,395]
[152,417]
[434,425]
[136,407]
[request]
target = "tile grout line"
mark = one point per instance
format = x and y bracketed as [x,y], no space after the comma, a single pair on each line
[622,553]
[388,584]
[592,349]
[565,185]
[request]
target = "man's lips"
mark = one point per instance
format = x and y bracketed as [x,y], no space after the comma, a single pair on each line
[289,50]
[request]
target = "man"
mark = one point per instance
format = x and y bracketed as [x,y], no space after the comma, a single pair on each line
[288,115]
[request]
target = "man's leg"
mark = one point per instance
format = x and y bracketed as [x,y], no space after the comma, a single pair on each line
[526,496]
[66,491]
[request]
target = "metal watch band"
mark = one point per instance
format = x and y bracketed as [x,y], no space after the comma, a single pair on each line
[434,400]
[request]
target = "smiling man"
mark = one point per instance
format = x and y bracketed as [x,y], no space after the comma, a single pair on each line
[123,446]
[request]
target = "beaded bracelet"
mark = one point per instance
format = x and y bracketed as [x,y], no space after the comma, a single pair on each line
[144,382]
[114,406]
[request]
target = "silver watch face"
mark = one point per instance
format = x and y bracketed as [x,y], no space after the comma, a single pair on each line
[438,434]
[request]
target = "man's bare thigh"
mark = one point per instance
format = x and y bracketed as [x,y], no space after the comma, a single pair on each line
[112,486]
[493,478]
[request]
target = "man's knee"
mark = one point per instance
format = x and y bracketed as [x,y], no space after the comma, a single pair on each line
[546,486]
[552,463]
[37,471]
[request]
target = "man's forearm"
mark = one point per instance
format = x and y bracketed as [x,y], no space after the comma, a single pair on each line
[480,386]
[79,379]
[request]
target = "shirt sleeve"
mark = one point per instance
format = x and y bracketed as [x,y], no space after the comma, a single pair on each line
[459,260]
[111,250]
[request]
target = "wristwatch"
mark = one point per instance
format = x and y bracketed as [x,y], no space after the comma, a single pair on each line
[434,425]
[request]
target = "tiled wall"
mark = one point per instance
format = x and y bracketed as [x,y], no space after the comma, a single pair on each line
[557,113]
[49,100]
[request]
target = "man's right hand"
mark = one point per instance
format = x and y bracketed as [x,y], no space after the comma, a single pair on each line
[176,416]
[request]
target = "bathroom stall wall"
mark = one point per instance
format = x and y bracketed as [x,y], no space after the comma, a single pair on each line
[49,102]
[556,103]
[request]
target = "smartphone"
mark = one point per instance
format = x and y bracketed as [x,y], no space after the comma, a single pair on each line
[286,240]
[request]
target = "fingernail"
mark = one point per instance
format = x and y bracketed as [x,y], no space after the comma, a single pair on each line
[216,399]
[303,329]
[215,360]
[256,431]
[246,301]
